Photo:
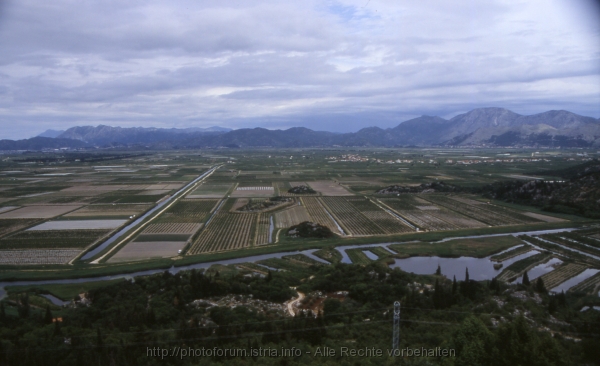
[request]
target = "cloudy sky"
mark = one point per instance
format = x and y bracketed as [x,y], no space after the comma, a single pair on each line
[327,65]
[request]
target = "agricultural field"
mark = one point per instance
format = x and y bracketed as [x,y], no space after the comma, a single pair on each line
[47,239]
[589,286]
[253,191]
[562,274]
[108,211]
[226,231]
[352,220]
[140,250]
[78,225]
[318,214]
[291,216]
[329,188]
[518,268]
[37,256]
[211,191]
[473,247]
[38,212]
[189,211]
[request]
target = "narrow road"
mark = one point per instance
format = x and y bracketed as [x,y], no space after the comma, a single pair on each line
[290,304]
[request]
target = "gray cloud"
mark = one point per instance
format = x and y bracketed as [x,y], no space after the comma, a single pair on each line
[333,65]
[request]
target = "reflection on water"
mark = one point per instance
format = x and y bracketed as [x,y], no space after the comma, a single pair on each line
[479,268]
[575,280]
[540,269]
[55,300]
[372,256]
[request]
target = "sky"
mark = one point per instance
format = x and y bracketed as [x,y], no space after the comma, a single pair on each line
[326,65]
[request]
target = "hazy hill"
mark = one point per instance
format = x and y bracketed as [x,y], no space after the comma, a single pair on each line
[40,143]
[479,127]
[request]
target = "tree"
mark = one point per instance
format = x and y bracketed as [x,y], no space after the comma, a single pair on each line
[48,317]
[526,279]
[454,286]
[473,343]
[438,271]
[24,306]
[539,286]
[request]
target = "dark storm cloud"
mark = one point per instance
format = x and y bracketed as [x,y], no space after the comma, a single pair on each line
[333,65]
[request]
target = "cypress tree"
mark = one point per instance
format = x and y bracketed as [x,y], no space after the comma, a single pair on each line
[526,279]
[454,286]
[2,311]
[438,271]
[539,285]
[48,316]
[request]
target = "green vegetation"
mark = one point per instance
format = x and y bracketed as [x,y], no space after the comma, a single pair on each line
[64,292]
[309,230]
[51,239]
[475,247]
[329,254]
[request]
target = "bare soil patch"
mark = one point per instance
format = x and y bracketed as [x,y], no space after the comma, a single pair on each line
[329,188]
[38,212]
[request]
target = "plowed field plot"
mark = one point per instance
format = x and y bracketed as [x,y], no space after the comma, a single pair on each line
[561,274]
[208,190]
[329,188]
[488,214]
[8,208]
[350,218]
[256,191]
[117,210]
[51,239]
[572,243]
[226,231]
[9,226]
[167,186]
[143,250]
[383,219]
[23,257]
[318,213]
[38,212]
[79,225]
[189,211]
[172,228]
[291,216]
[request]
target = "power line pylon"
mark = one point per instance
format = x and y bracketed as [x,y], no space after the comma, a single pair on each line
[396,337]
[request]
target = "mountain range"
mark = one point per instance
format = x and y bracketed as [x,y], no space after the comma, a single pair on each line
[491,127]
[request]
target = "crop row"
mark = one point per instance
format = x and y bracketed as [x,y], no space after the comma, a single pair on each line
[384,220]
[590,285]
[290,217]
[263,227]
[301,258]
[189,211]
[591,241]
[42,256]
[51,239]
[226,231]
[479,212]
[561,274]
[172,228]
[318,213]
[570,243]
[357,256]
[350,218]
[516,269]
[558,249]
[511,253]
[429,219]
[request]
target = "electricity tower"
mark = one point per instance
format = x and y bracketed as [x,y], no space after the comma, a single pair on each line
[396,337]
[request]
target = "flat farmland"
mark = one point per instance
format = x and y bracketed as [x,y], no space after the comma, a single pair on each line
[51,239]
[291,216]
[318,214]
[350,218]
[8,226]
[79,225]
[383,219]
[254,191]
[38,212]
[110,210]
[144,250]
[489,214]
[226,231]
[561,274]
[172,228]
[473,247]
[211,190]
[263,227]
[189,211]
[35,256]
[329,188]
